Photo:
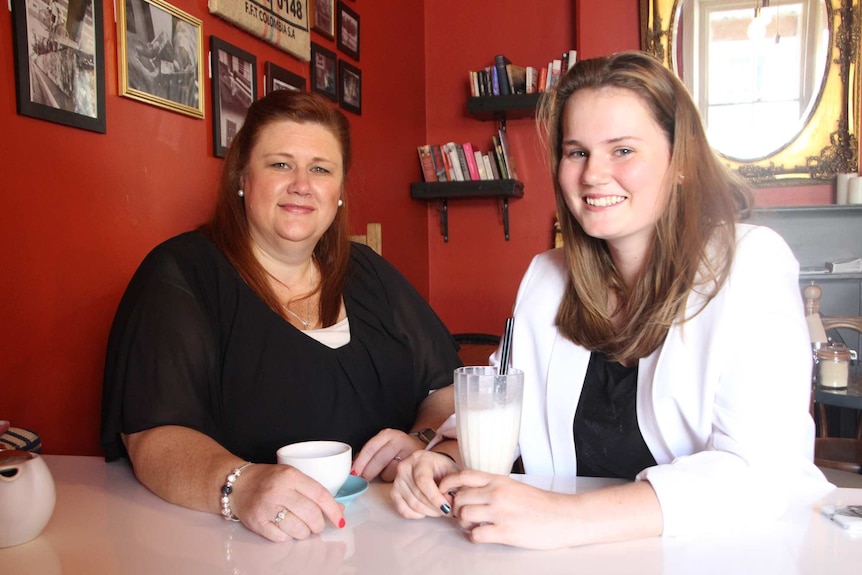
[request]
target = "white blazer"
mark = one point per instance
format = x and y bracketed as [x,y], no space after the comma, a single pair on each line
[723,403]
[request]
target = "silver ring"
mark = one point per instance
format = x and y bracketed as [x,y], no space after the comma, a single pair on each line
[398,458]
[281,515]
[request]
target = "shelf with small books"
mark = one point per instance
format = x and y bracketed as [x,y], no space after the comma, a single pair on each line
[445,191]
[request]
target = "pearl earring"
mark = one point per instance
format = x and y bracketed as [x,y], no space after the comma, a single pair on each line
[241,193]
[340,203]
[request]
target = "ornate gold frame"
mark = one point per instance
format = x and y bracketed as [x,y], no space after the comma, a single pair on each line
[828,144]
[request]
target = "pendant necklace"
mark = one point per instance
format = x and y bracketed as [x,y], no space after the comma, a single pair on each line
[304,323]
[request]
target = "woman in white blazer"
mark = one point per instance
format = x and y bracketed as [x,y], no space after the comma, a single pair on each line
[664,343]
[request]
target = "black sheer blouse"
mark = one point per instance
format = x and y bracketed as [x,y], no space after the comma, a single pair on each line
[608,440]
[192,345]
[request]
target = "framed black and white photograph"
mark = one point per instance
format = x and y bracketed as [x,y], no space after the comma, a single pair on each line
[323,67]
[160,56]
[323,17]
[349,87]
[234,87]
[60,62]
[277,78]
[348,31]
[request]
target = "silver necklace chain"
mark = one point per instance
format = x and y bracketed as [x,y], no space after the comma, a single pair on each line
[304,323]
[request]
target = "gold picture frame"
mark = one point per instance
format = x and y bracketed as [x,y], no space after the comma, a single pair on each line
[160,56]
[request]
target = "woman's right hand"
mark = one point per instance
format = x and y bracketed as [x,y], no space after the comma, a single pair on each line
[264,490]
[415,490]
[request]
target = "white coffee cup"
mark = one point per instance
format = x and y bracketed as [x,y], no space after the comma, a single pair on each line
[327,462]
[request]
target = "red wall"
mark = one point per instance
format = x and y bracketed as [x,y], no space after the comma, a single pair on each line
[81,209]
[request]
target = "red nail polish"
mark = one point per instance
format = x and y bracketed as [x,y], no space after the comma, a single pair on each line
[353,472]
[342,523]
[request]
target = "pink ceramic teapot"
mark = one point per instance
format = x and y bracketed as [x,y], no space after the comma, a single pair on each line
[27,496]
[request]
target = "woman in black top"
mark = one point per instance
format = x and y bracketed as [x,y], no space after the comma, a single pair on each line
[266,327]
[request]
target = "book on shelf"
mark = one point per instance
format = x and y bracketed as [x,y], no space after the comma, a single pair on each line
[517,76]
[531,80]
[427,162]
[439,165]
[462,160]
[447,165]
[505,78]
[490,167]
[500,62]
[454,161]
[498,156]
[473,79]
[507,154]
[554,73]
[543,78]
[470,157]
[480,165]
[573,57]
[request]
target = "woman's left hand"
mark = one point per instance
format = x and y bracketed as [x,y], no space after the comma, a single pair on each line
[498,509]
[381,455]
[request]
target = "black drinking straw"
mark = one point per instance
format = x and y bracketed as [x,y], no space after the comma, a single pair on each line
[506,352]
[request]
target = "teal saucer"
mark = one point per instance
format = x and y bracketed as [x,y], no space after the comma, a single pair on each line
[352,488]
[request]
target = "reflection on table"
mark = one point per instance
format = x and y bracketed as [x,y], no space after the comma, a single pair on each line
[106,522]
[850,397]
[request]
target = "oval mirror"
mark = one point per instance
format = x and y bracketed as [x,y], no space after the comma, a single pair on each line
[774,80]
[755,69]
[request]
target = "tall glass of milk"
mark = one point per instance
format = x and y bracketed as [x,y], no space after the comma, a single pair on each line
[488,415]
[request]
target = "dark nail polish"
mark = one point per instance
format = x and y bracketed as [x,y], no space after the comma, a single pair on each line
[445,508]
[452,493]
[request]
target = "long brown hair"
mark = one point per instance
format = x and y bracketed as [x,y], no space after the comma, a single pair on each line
[228,227]
[694,243]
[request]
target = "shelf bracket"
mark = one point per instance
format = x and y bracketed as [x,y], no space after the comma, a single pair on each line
[505,209]
[443,208]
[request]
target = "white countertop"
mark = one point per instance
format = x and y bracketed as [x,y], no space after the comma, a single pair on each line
[105,522]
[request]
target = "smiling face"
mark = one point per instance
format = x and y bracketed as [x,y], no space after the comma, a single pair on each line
[292,185]
[613,167]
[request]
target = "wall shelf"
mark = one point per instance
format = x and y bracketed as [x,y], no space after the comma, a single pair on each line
[444,191]
[499,108]
[513,106]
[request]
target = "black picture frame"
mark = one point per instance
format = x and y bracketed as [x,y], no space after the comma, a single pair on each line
[277,78]
[349,87]
[323,17]
[60,69]
[234,88]
[323,72]
[348,31]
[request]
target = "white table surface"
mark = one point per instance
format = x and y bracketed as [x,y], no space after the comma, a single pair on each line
[105,522]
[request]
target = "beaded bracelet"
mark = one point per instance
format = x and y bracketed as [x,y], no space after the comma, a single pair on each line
[227,489]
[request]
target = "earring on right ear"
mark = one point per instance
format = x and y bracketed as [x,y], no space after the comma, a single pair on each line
[241,193]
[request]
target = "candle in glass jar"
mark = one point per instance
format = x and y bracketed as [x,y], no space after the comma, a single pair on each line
[833,366]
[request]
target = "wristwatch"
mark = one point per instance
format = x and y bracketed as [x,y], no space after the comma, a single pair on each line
[424,435]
